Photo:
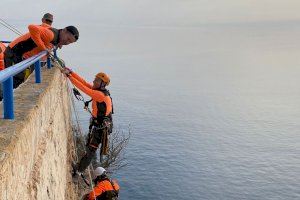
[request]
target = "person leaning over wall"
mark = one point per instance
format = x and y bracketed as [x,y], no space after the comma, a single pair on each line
[38,39]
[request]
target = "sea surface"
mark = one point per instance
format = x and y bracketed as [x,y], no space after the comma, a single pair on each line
[214,110]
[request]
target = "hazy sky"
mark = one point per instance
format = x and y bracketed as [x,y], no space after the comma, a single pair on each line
[154,12]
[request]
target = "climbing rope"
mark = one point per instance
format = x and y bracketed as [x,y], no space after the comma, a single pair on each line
[60,65]
[80,136]
[10,27]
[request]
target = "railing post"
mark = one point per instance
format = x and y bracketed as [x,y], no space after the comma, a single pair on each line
[37,68]
[48,63]
[8,98]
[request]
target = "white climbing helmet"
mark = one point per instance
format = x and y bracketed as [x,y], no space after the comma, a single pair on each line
[99,171]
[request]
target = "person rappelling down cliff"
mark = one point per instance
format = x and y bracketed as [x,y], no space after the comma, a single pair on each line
[101,121]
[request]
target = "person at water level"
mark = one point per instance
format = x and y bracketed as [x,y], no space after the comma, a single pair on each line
[105,189]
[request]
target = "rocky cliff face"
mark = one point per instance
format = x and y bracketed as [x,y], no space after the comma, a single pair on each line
[36,148]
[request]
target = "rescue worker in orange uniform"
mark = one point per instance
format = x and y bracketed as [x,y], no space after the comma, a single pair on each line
[2,49]
[105,189]
[102,110]
[36,40]
[47,20]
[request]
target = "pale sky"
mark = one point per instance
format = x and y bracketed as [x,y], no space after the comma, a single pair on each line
[154,12]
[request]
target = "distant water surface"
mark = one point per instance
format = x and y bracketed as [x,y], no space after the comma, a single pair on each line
[214,110]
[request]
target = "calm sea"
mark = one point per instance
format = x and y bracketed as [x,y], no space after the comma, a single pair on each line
[214,110]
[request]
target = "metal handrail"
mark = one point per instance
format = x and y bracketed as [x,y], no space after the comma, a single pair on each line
[6,78]
[19,67]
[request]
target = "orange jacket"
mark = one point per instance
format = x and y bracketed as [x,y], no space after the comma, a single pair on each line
[102,187]
[44,59]
[96,95]
[2,49]
[38,39]
[45,25]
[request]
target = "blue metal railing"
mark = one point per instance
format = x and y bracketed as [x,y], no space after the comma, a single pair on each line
[6,78]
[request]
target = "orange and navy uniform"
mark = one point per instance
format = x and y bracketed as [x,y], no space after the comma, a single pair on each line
[104,190]
[101,101]
[45,25]
[43,59]
[38,39]
[2,49]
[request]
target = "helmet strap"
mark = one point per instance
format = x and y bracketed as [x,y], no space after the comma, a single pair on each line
[102,85]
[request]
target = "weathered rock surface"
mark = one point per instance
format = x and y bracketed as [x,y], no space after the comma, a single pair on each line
[36,147]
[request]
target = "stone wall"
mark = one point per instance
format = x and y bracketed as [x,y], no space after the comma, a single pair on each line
[35,148]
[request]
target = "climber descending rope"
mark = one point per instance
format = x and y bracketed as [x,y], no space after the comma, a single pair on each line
[102,110]
[101,180]
[105,127]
